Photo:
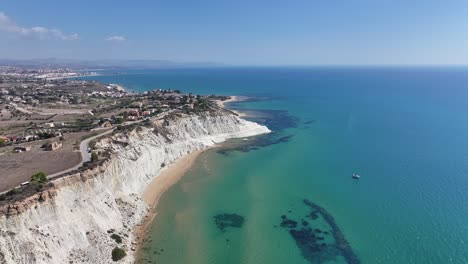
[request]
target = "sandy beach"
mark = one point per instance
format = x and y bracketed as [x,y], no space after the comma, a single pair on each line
[118,87]
[168,177]
[233,98]
[156,188]
[70,77]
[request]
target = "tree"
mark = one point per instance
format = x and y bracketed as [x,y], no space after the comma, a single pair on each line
[94,156]
[117,238]
[39,177]
[118,254]
[2,142]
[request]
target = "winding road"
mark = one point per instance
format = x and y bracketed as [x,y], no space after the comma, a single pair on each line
[85,155]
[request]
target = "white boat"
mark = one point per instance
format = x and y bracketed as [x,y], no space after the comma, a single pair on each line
[356,176]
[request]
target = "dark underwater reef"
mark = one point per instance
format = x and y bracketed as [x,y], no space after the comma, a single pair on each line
[316,245]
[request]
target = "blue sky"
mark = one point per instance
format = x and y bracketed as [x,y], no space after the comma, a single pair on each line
[242,32]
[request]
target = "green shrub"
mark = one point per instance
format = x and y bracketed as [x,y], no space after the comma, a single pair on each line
[117,238]
[13,191]
[118,254]
[94,156]
[36,185]
[92,144]
[39,177]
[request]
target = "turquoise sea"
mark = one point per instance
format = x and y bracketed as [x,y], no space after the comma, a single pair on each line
[404,130]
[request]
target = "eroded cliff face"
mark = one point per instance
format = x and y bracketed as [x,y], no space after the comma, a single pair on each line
[74,221]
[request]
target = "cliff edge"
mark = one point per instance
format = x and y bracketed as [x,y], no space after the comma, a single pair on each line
[82,217]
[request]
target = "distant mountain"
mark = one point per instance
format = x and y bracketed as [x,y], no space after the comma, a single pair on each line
[103,64]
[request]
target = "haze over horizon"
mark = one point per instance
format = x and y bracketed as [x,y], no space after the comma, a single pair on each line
[360,32]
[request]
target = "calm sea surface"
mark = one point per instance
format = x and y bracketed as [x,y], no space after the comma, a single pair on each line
[404,130]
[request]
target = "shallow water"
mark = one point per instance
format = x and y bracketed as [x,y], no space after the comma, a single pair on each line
[402,129]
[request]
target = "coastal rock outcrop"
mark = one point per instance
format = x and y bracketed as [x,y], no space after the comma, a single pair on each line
[75,220]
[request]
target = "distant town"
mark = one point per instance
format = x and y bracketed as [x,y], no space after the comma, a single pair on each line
[10,73]
[46,115]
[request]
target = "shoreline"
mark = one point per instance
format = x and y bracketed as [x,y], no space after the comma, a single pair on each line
[70,77]
[119,87]
[232,98]
[165,180]
[155,190]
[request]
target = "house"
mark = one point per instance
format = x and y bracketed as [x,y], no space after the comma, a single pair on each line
[21,149]
[146,113]
[106,124]
[31,137]
[131,118]
[53,146]
[136,104]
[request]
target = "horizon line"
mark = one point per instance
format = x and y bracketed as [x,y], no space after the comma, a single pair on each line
[221,64]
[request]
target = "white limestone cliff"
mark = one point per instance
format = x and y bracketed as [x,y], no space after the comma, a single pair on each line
[72,222]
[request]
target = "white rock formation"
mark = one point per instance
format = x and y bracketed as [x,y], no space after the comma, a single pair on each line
[73,222]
